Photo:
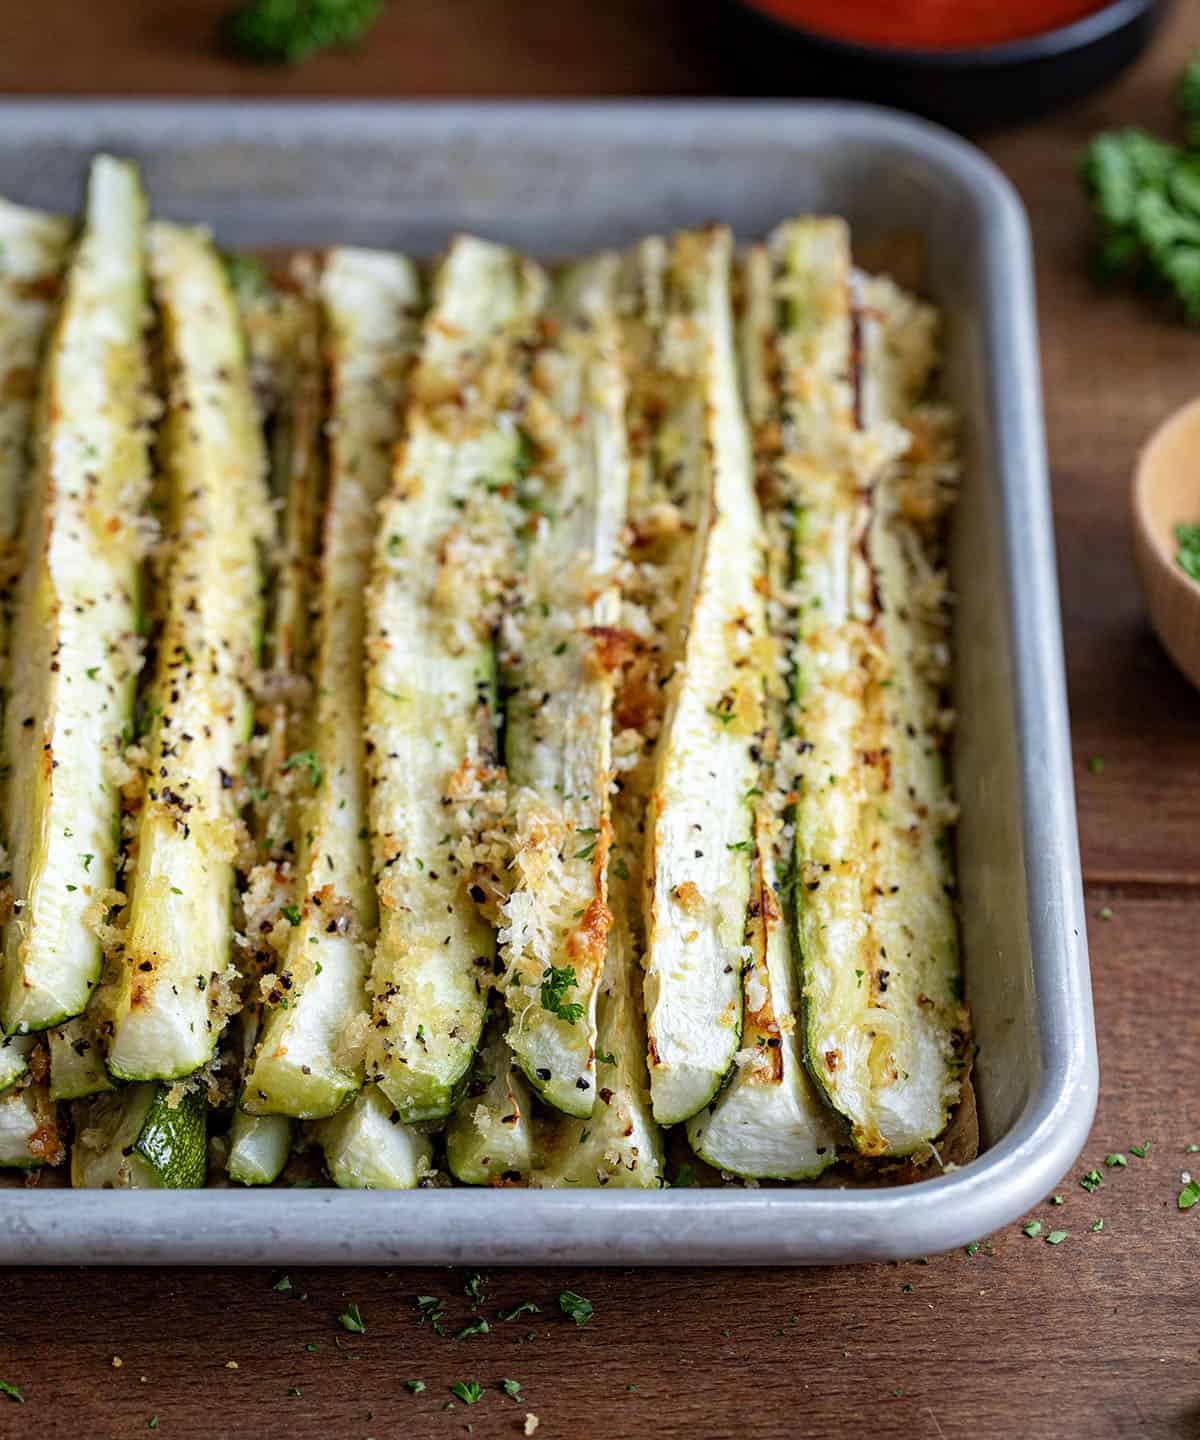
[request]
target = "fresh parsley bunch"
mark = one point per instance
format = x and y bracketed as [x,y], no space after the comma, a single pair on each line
[287,31]
[1145,192]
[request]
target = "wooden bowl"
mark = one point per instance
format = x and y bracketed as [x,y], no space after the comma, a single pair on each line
[1166,493]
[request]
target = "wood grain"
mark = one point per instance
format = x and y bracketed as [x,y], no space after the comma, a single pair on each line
[1094,1337]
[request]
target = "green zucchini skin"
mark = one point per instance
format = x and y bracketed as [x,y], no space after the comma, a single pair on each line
[73,675]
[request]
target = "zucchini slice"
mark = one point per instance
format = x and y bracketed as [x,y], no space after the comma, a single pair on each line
[76,611]
[176,986]
[259,1147]
[141,1137]
[442,565]
[891,1069]
[77,1064]
[368,1147]
[768,1122]
[698,827]
[558,699]
[29,1137]
[619,1144]
[490,1138]
[14,1059]
[305,1064]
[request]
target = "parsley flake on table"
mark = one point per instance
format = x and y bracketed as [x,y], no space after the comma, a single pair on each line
[1093,1180]
[429,1308]
[1031,1228]
[1057,1200]
[575,1307]
[473,1288]
[1116,1162]
[417,1387]
[1096,764]
[351,1319]
[972,1248]
[283,1283]
[468,1391]
[14,1393]
[1097,1227]
[511,1388]
[1141,1151]
[526,1307]
[473,1327]
[1105,913]
[1189,1195]
[1056,1237]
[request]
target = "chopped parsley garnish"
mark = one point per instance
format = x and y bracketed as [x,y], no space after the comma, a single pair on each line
[740,845]
[13,1393]
[468,1391]
[416,1386]
[556,982]
[1116,1161]
[1105,913]
[351,1319]
[473,1289]
[1057,1200]
[1141,1151]
[283,1283]
[1097,1227]
[1096,764]
[587,852]
[972,1248]
[478,1326]
[87,862]
[1031,1228]
[511,1388]
[723,717]
[526,1307]
[575,1307]
[310,762]
[1189,1195]
[1056,1237]
[620,869]
[430,1308]
[285,32]
[605,1057]
[1093,1180]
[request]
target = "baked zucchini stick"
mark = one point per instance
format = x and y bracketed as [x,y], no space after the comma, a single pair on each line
[442,564]
[305,1064]
[768,1122]
[175,989]
[368,1147]
[698,828]
[76,610]
[862,1033]
[558,699]
[141,1137]
[34,247]
[29,1137]
[491,1138]
[619,1144]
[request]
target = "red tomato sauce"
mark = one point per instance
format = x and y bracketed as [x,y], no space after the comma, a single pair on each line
[930,24]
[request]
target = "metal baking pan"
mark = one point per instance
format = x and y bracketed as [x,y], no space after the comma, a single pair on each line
[558,179]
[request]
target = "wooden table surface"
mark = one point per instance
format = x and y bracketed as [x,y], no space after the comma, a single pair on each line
[1095,1337]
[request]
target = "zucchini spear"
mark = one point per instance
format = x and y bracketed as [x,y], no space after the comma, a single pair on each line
[698,827]
[29,1135]
[34,247]
[175,988]
[558,697]
[490,1138]
[141,1137]
[873,992]
[442,564]
[283,344]
[76,612]
[368,1147]
[303,1065]
[768,1122]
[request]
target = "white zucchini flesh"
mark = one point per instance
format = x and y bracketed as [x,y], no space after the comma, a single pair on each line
[259,1147]
[442,564]
[77,1064]
[768,1122]
[368,1147]
[74,673]
[491,1137]
[28,1129]
[698,829]
[859,1031]
[370,301]
[619,1144]
[14,1058]
[173,990]
[558,699]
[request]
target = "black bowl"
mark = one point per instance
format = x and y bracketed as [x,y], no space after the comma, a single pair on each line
[970,89]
